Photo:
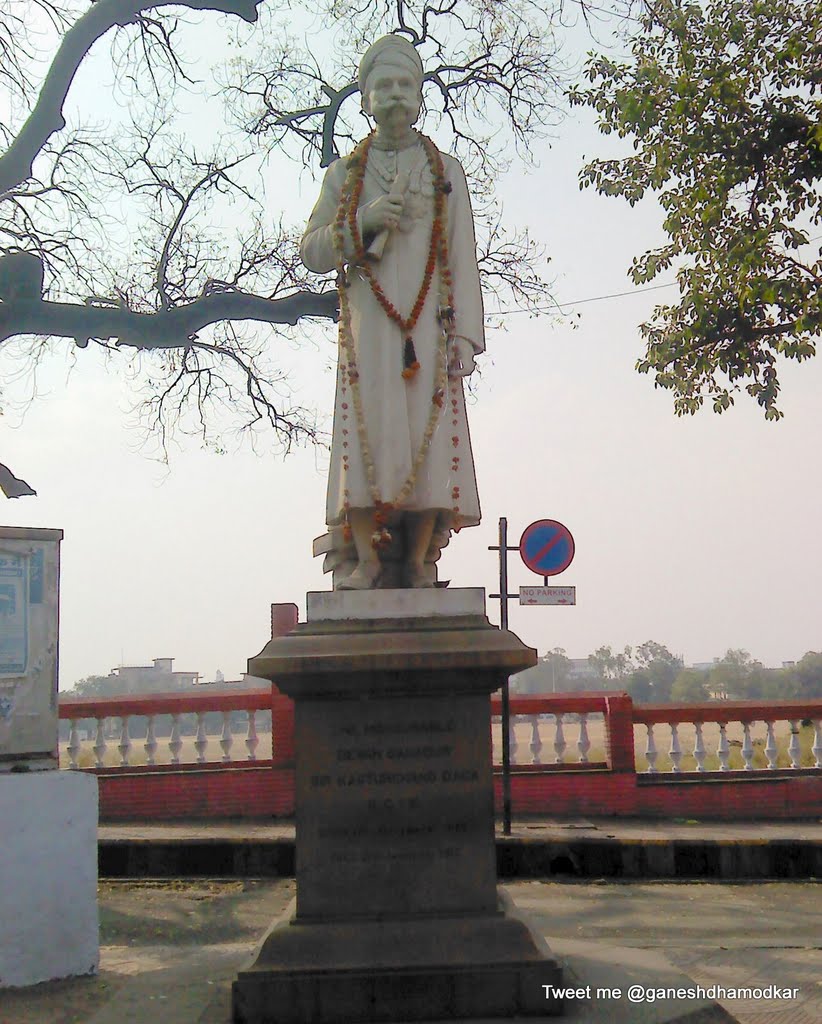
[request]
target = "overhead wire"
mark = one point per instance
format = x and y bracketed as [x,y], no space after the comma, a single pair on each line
[598,298]
[580,302]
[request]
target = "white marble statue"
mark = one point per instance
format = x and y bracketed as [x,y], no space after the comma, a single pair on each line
[394,218]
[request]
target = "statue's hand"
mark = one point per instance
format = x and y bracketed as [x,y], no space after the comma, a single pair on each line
[382,214]
[460,358]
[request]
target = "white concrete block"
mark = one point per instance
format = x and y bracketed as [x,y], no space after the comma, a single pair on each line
[48,877]
[340,605]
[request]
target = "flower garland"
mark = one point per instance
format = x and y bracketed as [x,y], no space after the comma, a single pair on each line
[437,257]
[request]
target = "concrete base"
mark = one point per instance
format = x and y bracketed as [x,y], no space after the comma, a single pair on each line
[397,914]
[48,877]
[490,966]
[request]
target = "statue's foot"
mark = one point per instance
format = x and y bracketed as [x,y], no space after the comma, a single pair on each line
[417,577]
[364,577]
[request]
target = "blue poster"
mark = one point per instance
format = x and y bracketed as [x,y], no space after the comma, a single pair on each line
[36,576]
[14,614]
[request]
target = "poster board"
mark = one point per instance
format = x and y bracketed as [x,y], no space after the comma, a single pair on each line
[29,621]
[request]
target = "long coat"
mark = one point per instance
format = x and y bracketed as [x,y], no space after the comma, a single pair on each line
[396,411]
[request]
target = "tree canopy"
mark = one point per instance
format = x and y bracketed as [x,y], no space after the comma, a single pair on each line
[721,103]
[806,676]
[155,226]
[608,665]
[729,675]
[661,666]
[690,686]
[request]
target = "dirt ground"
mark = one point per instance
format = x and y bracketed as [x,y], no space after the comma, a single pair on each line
[145,926]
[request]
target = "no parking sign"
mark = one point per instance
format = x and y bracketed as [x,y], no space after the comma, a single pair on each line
[547,547]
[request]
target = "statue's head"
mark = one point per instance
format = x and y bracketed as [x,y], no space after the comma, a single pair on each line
[390,80]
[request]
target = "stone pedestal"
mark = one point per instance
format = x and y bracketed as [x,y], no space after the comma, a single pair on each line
[397,914]
[48,877]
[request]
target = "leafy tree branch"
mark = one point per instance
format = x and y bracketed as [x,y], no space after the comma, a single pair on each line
[721,102]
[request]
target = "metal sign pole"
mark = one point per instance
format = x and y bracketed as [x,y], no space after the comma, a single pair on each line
[547,548]
[504,598]
[506,705]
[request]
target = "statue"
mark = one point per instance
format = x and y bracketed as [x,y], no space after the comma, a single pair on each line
[394,219]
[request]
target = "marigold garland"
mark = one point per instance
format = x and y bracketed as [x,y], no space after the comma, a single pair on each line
[437,259]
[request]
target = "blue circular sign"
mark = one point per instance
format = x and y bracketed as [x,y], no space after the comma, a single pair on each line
[547,547]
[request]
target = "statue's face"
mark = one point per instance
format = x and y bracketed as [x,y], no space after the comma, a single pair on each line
[392,95]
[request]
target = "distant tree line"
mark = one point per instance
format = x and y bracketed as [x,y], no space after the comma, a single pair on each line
[651,673]
[115,685]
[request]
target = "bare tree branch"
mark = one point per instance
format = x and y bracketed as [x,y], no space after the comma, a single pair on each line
[168,328]
[159,241]
[16,164]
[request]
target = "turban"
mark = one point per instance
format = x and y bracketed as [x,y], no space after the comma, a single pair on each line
[394,49]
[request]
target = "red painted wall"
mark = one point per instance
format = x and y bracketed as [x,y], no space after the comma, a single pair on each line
[267,791]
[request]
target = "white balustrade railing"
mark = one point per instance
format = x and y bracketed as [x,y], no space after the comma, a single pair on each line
[512,740]
[205,730]
[675,753]
[252,741]
[226,740]
[150,746]
[124,746]
[751,745]
[100,745]
[583,743]
[201,740]
[699,747]
[560,746]
[771,749]
[676,747]
[723,750]
[747,747]
[650,749]
[175,742]
[179,737]
[793,748]
[536,740]
[539,734]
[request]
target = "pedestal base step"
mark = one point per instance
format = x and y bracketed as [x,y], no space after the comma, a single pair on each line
[486,967]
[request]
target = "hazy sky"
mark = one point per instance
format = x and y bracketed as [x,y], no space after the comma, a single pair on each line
[701,533]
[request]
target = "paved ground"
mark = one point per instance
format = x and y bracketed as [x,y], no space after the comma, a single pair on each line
[170,950]
[617,828]
[667,935]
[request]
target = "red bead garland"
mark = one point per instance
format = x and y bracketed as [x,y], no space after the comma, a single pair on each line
[437,248]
